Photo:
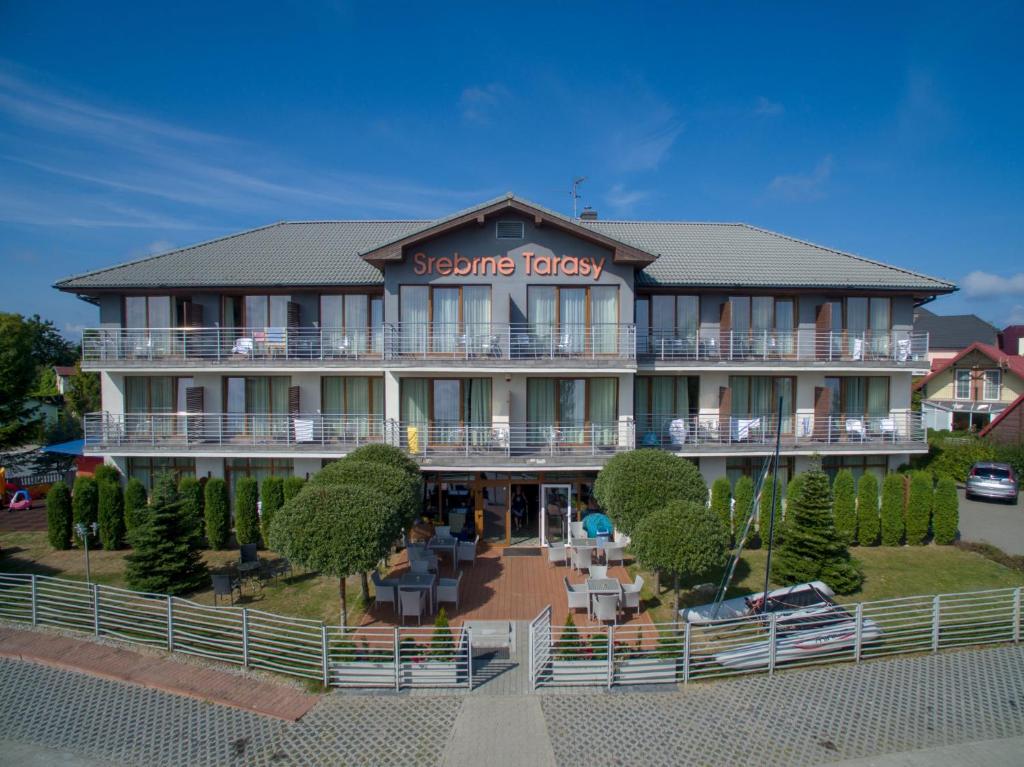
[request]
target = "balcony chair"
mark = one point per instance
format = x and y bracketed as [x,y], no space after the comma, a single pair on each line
[599,571]
[887,429]
[855,429]
[576,531]
[614,552]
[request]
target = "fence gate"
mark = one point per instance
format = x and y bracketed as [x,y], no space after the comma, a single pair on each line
[540,648]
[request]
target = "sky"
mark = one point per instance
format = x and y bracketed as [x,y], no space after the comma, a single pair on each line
[893,131]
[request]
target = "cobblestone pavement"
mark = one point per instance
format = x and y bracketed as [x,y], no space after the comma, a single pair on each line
[796,718]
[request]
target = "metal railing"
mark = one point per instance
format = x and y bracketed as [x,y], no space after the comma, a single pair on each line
[510,439]
[104,431]
[898,346]
[350,656]
[678,653]
[231,345]
[511,341]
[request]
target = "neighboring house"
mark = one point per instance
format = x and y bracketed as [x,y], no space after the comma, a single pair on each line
[1008,427]
[966,392]
[63,375]
[1011,340]
[949,334]
[503,347]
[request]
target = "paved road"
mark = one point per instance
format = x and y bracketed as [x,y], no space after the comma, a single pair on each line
[808,717]
[994,522]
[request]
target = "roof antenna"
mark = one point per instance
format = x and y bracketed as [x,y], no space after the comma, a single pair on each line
[574,193]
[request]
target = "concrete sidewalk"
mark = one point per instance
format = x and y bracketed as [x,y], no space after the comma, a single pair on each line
[165,674]
[1003,752]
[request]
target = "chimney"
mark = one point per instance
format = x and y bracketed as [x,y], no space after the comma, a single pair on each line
[588,214]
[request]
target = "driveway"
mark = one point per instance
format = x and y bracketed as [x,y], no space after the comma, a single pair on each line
[993,522]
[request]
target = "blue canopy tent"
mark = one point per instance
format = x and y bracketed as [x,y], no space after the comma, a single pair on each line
[597,524]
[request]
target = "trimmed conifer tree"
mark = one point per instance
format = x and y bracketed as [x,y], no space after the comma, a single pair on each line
[85,499]
[217,513]
[721,502]
[292,486]
[844,506]
[190,492]
[867,510]
[165,557]
[135,503]
[893,494]
[743,498]
[919,507]
[111,514]
[947,511]
[765,510]
[247,515]
[272,497]
[58,516]
[812,549]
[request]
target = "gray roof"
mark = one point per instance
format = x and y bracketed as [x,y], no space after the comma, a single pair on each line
[954,331]
[319,253]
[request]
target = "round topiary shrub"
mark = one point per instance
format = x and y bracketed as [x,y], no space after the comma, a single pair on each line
[633,484]
[388,455]
[58,516]
[406,489]
[247,515]
[217,513]
[135,503]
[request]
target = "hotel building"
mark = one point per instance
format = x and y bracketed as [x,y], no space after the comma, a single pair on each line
[505,347]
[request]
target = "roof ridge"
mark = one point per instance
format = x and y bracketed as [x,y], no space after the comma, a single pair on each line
[850,255]
[357,221]
[166,253]
[661,221]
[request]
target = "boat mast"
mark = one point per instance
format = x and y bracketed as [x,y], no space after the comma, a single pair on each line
[771,513]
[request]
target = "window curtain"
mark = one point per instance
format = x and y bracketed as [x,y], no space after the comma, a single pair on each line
[161,400]
[159,315]
[413,316]
[414,412]
[446,422]
[356,308]
[377,324]
[256,314]
[332,323]
[540,312]
[257,405]
[740,386]
[279,311]
[477,407]
[856,323]
[357,406]
[332,405]
[572,313]
[540,409]
[236,405]
[663,321]
[856,396]
[784,324]
[642,308]
[604,318]
[784,389]
[446,319]
[476,316]
[135,315]
[687,318]
[603,410]
[682,409]
[761,310]
[761,399]
[878,397]
[880,325]
[662,403]
[572,408]
[642,407]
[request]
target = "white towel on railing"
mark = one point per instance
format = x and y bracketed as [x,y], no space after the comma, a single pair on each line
[242,346]
[855,427]
[903,349]
[677,431]
[858,348]
[303,429]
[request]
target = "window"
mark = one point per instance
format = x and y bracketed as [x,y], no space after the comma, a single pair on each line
[963,384]
[752,467]
[757,397]
[257,468]
[453,319]
[858,464]
[660,400]
[560,318]
[352,405]
[152,402]
[861,396]
[992,385]
[673,320]
[147,312]
[353,322]
[762,325]
[146,470]
[867,322]
[575,407]
[510,230]
[260,312]
[446,406]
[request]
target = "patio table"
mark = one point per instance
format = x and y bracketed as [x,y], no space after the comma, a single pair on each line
[249,572]
[603,586]
[421,581]
[445,545]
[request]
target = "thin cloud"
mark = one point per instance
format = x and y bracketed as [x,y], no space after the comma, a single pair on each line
[979,284]
[803,187]
[623,200]
[478,103]
[767,108]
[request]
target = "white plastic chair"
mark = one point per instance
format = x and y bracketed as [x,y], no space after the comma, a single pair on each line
[606,608]
[467,551]
[599,571]
[412,603]
[631,594]
[556,553]
[576,530]
[384,589]
[582,556]
[578,597]
[448,590]
[614,552]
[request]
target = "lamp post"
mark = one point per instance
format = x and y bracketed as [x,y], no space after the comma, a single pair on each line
[83,531]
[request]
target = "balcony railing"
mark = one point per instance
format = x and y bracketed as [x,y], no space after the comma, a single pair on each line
[799,345]
[237,345]
[109,431]
[681,433]
[511,341]
[507,440]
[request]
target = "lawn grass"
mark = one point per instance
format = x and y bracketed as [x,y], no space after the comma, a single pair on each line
[303,595]
[888,572]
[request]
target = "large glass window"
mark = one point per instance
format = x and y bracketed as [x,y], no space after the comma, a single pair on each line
[150,401]
[992,385]
[352,405]
[752,467]
[859,465]
[257,405]
[257,468]
[755,402]
[859,396]
[674,324]
[352,322]
[445,319]
[453,409]
[663,406]
[762,325]
[146,470]
[963,384]
[576,408]
[266,311]
[573,320]
[147,312]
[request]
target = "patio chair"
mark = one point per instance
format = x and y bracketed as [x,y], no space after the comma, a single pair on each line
[384,589]
[421,566]
[578,597]
[249,552]
[855,429]
[448,590]
[443,531]
[428,558]
[556,553]
[225,586]
[467,551]
[599,571]
[582,556]
[606,608]
[631,594]
[456,521]
[614,552]
[411,602]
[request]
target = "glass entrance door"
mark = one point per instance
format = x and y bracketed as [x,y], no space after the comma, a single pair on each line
[555,508]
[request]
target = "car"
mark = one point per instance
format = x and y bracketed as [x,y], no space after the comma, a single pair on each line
[997,481]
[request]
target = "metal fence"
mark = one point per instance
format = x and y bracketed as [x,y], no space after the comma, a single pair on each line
[670,653]
[351,656]
[899,346]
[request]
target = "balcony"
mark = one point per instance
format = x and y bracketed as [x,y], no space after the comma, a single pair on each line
[230,347]
[505,444]
[805,347]
[229,432]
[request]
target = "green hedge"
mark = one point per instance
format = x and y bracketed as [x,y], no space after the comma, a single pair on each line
[292,486]
[764,514]
[868,523]
[217,513]
[135,503]
[190,493]
[272,499]
[721,502]
[919,507]
[106,473]
[844,506]
[85,499]
[947,511]
[893,508]
[387,455]
[111,514]
[247,516]
[743,496]
[58,516]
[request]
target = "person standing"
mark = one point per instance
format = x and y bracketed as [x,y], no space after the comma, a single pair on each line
[518,509]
